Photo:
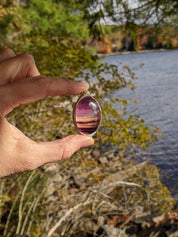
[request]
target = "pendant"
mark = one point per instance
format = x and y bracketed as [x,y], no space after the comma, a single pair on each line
[87,115]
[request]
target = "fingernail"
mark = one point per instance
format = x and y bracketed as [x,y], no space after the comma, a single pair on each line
[84,85]
[88,141]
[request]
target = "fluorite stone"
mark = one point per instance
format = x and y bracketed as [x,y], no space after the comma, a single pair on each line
[87,115]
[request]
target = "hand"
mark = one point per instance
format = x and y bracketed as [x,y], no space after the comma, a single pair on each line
[21,83]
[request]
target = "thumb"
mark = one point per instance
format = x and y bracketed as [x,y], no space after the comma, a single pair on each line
[47,152]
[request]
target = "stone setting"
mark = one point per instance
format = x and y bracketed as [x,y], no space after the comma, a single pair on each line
[87,115]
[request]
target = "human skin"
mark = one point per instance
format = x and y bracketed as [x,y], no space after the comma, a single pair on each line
[20,84]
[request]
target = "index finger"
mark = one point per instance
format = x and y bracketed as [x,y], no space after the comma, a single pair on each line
[33,89]
[6,54]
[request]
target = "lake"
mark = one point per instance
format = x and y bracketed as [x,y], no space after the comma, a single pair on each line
[157,95]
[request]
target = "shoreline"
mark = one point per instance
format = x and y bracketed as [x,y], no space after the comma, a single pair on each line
[133,52]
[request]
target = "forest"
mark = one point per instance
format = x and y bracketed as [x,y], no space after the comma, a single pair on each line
[116,39]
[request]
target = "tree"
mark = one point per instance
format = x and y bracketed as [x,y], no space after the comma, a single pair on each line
[5,18]
[72,18]
[27,201]
[128,13]
[28,18]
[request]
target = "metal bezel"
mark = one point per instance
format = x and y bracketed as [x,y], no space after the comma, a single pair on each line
[74,117]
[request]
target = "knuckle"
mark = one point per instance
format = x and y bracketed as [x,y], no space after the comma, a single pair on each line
[4,101]
[39,80]
[27,58]
[66,150]
[42,82]
[9,52]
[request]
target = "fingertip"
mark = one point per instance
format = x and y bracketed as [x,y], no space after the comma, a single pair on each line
[47,152]
[87,141]
[84,86]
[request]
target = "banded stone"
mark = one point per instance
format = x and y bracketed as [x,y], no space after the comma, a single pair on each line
[87,115]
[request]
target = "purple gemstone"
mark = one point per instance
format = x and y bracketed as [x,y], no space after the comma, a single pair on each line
[87,115]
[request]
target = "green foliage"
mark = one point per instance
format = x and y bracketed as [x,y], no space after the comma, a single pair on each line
[42,17]
[55,19]
[24,19]
[22,207]
[67,59]
[5,18]
[27,205]
[157,196]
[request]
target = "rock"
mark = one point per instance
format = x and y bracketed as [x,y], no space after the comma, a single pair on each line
[103,160]
[57,178]
[158,219]
[145,225]
[52,168]
[139,210]
[114,232]
[79,181]
[118,176]
[110,156]
[175,234]
[101,220]
[50,190]
[95,154]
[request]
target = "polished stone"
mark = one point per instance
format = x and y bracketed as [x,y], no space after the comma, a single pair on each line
[87,115]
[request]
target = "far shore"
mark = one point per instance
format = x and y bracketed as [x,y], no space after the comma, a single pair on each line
[133,52]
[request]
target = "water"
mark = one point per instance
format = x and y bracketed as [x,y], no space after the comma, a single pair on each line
[157,95]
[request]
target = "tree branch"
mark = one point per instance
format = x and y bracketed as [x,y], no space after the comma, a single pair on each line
[21,201]
[68,213]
